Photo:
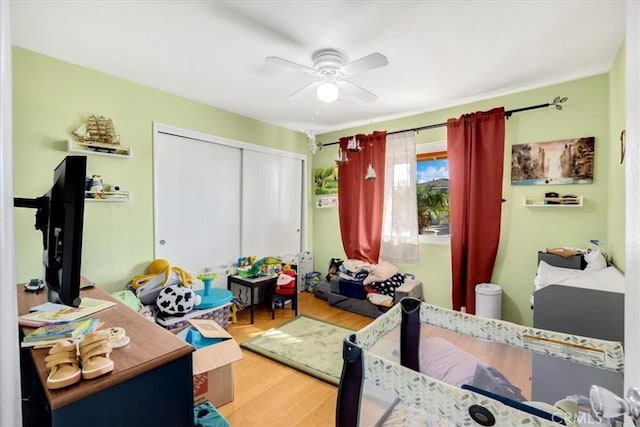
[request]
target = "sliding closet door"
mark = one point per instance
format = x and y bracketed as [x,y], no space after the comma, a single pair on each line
[197,201]
[271,204]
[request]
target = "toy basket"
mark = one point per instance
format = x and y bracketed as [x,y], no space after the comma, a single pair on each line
[311,280]
[175,324]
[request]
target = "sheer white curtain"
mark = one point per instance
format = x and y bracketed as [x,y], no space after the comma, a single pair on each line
[400,214]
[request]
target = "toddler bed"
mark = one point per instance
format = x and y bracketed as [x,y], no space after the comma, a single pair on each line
[578,295]
[584,301]
[390,377]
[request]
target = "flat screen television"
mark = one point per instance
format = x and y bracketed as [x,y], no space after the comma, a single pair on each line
[60,217]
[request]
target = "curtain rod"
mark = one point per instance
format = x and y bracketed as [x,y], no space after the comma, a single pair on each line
[556,102]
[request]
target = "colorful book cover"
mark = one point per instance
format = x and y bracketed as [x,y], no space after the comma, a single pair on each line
[58,330]
[88,306]
[47,334]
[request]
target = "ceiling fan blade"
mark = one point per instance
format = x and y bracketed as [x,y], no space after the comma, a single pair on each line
[365,63]
[290,64]
[304,89]
[354,90]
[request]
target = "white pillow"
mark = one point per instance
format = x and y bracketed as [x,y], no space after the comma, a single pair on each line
[608,279]
[595,261]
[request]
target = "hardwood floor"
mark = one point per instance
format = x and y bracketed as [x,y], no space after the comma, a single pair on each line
[268,393]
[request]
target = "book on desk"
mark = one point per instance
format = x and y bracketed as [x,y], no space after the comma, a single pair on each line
[62,313]
[46,335]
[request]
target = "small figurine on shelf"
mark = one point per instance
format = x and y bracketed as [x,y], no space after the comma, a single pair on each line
[94,187]
[97,130]
[96,184]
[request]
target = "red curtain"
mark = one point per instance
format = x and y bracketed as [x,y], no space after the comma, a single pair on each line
[475,145]
[360,201]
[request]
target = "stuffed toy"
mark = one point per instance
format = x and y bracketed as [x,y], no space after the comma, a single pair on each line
[162,267]
[286,283]
[176,300]
[161,274]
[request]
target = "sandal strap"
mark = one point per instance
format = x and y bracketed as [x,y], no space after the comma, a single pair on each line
[62,352]
[60,356]
[94,336]
[61,361]
[63,346]
[102,350]
[89,347]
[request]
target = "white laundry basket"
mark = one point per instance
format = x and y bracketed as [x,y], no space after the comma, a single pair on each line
[489,300]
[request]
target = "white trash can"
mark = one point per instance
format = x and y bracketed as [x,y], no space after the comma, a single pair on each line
[489,300]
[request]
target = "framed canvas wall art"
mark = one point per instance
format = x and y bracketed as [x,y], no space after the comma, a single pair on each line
[567,161]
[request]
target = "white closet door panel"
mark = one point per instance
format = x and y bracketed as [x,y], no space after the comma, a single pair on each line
[271,204]
[197,202]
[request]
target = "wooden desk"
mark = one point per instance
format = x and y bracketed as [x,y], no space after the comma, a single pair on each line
[151,383]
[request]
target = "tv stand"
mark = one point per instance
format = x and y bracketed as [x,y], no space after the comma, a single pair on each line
[54,297]
[151,384]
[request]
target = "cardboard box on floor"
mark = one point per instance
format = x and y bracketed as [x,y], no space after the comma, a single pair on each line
[213,364]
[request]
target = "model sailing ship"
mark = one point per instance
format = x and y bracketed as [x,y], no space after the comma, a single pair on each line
[98,134]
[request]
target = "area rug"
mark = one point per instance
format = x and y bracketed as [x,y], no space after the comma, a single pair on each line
[305,343]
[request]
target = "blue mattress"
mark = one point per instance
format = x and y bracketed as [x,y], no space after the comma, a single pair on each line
[352,288]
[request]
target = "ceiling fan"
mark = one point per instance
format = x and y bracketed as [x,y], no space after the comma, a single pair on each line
[331,71]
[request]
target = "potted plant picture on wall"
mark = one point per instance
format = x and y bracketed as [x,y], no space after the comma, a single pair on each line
[325,180]
[325,186]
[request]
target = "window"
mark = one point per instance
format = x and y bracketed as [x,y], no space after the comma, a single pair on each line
[432,191]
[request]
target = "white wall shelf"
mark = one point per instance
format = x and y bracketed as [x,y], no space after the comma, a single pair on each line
[98,149]
[553,202]
[107,196]
[327,202]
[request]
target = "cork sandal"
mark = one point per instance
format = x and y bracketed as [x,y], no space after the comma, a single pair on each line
[63,362]
[94,354]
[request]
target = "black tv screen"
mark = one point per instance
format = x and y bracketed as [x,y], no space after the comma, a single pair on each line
[63,252]
[60,217]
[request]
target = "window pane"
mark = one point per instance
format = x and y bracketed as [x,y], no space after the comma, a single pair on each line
[433,196]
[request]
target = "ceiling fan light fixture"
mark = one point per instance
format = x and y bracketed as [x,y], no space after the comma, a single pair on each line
[327,92]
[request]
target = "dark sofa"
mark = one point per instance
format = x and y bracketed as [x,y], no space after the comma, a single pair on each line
[357,302]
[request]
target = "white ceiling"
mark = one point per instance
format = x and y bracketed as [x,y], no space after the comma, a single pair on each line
[441,53]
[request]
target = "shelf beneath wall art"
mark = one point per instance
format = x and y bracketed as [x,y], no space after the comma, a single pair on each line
[553,202]
[327,202]
[109,150]
[107,196]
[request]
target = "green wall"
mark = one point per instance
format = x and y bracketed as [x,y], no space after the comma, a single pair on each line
[50,99]
[524,230]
